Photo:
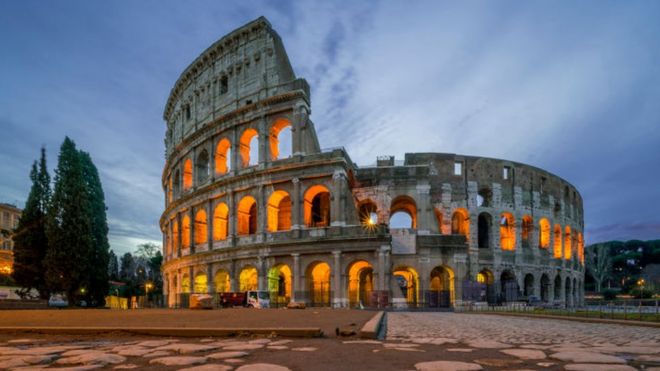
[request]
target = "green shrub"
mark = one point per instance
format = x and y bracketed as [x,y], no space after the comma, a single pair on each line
[609,294]
[641,293]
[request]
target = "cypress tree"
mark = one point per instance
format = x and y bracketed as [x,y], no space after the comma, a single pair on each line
[30,242]
[99,254]
[113,267]
[69,228]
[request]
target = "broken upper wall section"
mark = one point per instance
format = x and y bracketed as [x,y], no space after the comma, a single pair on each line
[246,67]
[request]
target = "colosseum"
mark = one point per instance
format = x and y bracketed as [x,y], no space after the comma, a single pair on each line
[252,202]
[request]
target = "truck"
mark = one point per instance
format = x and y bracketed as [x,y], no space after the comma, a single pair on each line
[249,299]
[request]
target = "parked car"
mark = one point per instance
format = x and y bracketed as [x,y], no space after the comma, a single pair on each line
[58,301]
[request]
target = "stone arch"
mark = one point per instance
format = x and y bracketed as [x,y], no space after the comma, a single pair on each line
[545,288]
[176,183]
[406,205]
[220,221]
[368,213]
[438,218]
[202,167]
[222,157]
[360,283]
[575,292]
[280,132]
[249,147]
[185,232]
[201,283]
[526,230]
[567,292]
[317,277]
[187,175]
[557,242]
[407,280]
[558,286]
[247,216]
[279,284]
[528,289]
[222,281]
[580,247]
[248,278]
[317,206]
[544,233]
[567,243]
[486,278]
[507,231]
[175,236]
[278,211]
[185,284]
[484,222]
[201,227]
[460,222]
[509,286]
[441,287]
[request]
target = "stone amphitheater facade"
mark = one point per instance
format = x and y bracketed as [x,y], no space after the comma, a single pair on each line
[253,202]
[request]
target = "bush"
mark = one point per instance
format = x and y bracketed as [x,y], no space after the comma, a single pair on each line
[641,293]
[609,294]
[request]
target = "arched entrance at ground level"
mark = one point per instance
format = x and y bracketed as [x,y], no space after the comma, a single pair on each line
[576,295]
[248,279]
[407,282]
[200,286]
[360,283]
[509,288]
[279,284]
[441,288]
[529,285]
[185,284]
[545,288]
[221,281]
[318,284]
[487,288]
[568,292]
[558,288]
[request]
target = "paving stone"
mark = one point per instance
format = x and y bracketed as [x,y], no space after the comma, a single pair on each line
[23,341]
[586,357]
[230,354]
[597,367]
[22,361]
[498,362]
[186,348]
[74,368]
[545,364]
[126,366]
[357,342]
[627,349]
[400,345]
[156,343]
[135,352]
[92,357]
[460,350]
[647,358]
[233,360]
[214,367]
[259,341]
[277,347]
[525,353]
[243,346]
[157,353]
[447,366]
[178,361]
[536,346]
[282,342]
[304,349]
[262,367]
[36,351]
[487,344]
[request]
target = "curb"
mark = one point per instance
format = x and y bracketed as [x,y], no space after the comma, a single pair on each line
[304,332]
[576,319]
[371,329]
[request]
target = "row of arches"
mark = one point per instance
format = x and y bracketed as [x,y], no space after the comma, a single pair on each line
[199,169]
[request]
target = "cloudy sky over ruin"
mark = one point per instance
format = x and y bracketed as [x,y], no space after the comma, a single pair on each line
[573,88]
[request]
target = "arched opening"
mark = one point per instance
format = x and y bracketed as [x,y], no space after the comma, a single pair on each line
[526,231]
[407,280]
[201,227]
[557,246]
[487,280]
[360,283]
[544,233]
[201,284]
[202,167]
[403,213]
[280,139]
[507,232]
[460,222]
[249,147]
[220,221]
[247,216]
[170,191]
[279,284]
[441,287]
[176,183]
[279,212]
[545,288]
[174,290]
[248,279]
[484,197]
[567,293]
[558,288]
[185,232]
[568,253]
[368,213]
[483,230]
[529,285]
[187,175]
[580,243]
[222,157]
[175,237]
[185,284]
[317,206]
[509,287]
[438,219]
[574,293]
[318,284]
[222,281]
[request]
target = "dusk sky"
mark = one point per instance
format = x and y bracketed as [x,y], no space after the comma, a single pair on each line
[571,87]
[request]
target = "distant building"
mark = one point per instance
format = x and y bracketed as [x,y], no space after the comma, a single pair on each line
[9,215]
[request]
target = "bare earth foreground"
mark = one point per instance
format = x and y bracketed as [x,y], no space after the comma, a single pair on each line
[422,341]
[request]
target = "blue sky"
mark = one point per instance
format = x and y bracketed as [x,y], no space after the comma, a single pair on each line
[571,87]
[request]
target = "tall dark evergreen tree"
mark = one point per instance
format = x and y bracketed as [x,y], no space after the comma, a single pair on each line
[113,267]
[99,254]
[69,228]
[30,242]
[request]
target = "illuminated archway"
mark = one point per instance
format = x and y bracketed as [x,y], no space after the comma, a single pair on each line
[221,281]
[441,287]
[368,213]
[279,284]
[280,132]
[360,283]
[317,206]
[438,218]
[507,232]
[202,167]
[220,221]
[526,230]
[318,283]
[484,221]
[401,207]
[247,216]
[185,232]
[201,284]
[185,284]
[222,157]
[557,240]
[201,227]
[279,212]
[170,191]
[544,233]
[486,278]
[175,236]
[187,175]
[580,247]
[460,222]
[248,279]
[249,147]
[407,280]
[568,253]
